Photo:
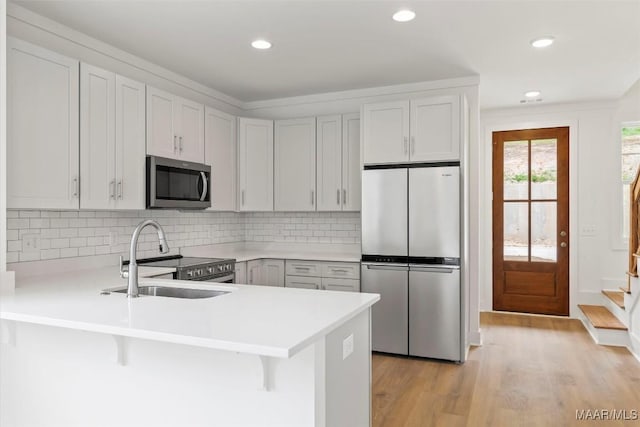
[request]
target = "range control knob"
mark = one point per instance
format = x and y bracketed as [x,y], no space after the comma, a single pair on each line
[190,273]
[210,270]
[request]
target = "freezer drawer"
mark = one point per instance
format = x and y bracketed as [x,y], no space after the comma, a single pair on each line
[384,212]
[434,212]
[434,312]
[390,316]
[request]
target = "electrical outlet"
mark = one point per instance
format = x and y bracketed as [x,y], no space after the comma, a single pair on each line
[347,346]
[30,242]
[588,230]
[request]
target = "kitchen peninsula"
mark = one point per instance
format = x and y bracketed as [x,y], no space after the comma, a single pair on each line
[256,356]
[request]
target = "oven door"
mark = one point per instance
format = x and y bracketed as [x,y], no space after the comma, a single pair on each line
[229,278]
[177,184]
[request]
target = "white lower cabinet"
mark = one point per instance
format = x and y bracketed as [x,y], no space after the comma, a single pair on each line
[266,272]
[329,276]
[241,273]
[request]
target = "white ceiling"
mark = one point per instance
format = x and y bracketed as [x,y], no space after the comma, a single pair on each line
[324,46]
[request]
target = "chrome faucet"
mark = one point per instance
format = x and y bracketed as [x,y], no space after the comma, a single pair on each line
[132,274]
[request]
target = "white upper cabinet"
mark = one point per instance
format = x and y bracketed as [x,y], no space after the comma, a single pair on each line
[351,174]
[130,144]
[420,130]
[175,126]
[435,129]
[220,154]
[338,162]
[255,164]
[295,165]
[42,128]
[112,140]
[386,132]
[97,137]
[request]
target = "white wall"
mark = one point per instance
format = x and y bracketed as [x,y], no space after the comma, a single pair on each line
[597,260]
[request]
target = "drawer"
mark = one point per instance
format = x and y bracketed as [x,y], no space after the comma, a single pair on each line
[346,285]
[303,282]
[342,270]
[303,268]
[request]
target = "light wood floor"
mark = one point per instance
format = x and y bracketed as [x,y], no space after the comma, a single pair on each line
[531,371]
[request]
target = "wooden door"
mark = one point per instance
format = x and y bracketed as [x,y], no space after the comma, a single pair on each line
[42,128]
[531,221]
[220,154]
[351,162]
[190,130]
[295,165]
[329,167]
[386,132]
[162,139]
[97,138]
[435,129]
[255,164]
[130,144]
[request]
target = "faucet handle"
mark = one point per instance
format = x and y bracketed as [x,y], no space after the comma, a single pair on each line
[123,273]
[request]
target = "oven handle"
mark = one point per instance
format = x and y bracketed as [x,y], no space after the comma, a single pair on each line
[228,277]
[205,184]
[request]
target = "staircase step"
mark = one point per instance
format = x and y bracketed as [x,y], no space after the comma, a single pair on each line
[616,296]
[601,318]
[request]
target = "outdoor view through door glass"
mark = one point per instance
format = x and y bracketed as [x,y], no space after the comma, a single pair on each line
[530,182]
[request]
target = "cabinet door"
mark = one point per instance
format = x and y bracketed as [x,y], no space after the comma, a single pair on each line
[241,273]
[162,139]
[303,268]
[435,129]
[189,124]
[351,176]
[220,154]
[303,282]
[256,164]
[42,128]
[344,285]
[130,144]
[254,272]
[329,163]
[97,138]
[273,272]
[386,132]
[295,165]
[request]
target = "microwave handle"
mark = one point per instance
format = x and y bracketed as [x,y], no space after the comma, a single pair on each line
[205,184]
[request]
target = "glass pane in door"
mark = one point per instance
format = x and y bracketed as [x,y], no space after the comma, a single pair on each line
[544,169]
[544,245]
[516,170]
[516,231]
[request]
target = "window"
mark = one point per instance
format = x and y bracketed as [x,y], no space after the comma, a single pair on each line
[630,162]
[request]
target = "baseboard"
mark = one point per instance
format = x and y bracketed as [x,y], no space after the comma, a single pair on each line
[7,281]
[634,345]
[475,337]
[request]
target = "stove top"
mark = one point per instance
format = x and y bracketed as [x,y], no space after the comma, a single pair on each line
[193,268]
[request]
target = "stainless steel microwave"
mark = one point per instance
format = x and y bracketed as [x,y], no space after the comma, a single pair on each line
[176,184]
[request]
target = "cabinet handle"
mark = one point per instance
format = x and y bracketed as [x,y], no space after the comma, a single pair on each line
[344,196]
[76,186]
[180,138]
[120,189]
[112,189]
[338,197]
[339,270]
[413,145]
[250,277]
[406,141]
[242,197]
[175,143]
[303,268]
[312,194]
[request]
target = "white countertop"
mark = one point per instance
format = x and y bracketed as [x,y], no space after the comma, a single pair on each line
[241,255]
[260,320]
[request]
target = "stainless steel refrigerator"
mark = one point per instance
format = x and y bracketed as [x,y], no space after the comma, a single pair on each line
[411,257]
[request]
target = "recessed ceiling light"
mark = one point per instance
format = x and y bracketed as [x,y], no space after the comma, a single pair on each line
[404,15]
[542,41]
[532,93]
[261,44]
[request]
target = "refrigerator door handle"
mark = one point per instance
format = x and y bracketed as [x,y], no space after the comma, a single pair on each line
[382,266]
[434,269]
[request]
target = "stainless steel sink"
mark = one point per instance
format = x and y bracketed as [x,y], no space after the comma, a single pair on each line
[171,292]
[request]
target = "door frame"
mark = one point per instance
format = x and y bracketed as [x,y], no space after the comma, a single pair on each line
[507,123]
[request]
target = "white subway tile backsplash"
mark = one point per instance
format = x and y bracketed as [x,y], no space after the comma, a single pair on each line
[62,234]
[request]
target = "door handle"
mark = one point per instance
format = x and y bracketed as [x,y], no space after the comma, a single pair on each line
[175,143]
[405,145]
[112,189]
[563,244]
[413,145]
[344,196]
[338,196]
[76,186]
[448,269]
[205,184]
[180,138]
[120,190]
[242,197]
[563,233]
[312,194]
